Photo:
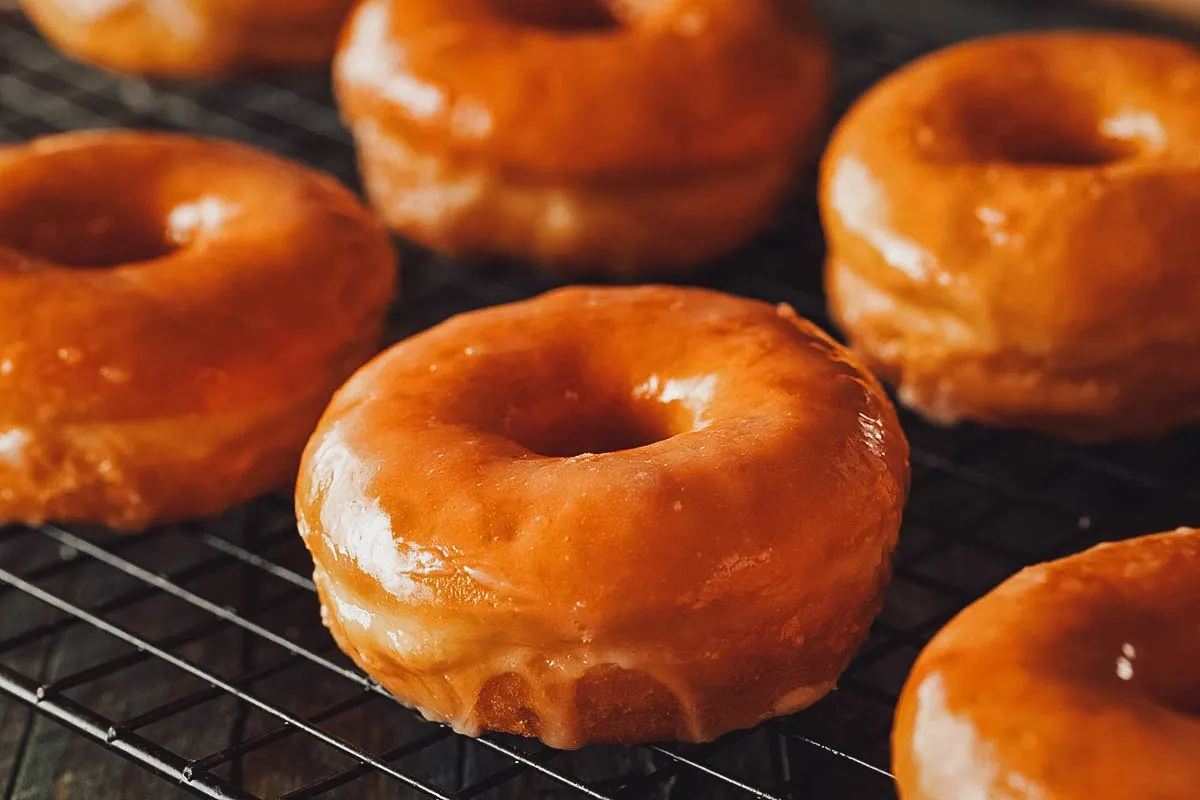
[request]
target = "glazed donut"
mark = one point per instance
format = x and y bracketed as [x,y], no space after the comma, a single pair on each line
[1074,680]
[1012,237]
[174,315]
[606,515]
[192,38]
[600,134]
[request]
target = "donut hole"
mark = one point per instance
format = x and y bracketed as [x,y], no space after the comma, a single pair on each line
[573,430]
[1169,672]
[571,16]
[1050,144]
[83,230]
[1184,698]
[589,413]
[1035,126]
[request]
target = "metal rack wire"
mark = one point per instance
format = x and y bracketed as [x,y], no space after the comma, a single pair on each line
[196,652]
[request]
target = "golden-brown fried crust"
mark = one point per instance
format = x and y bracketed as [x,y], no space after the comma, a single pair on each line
[1011,238]
[1073,680]
[606,515]
[192,38]
[663,140]
[174,314]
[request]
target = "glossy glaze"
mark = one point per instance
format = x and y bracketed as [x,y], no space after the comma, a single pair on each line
[174,314]
[662,138]
[1012,237]
[1075,680]
[486,551]
[192,38]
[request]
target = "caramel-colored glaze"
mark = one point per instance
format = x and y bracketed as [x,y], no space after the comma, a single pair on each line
[192,38]
[606,515]
[639,133]
[174,315]
[1074,680]
[1012,233]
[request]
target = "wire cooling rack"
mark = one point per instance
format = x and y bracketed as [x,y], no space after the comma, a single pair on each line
[196,653]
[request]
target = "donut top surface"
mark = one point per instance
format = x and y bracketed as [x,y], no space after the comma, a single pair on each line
[1079,678]
[540,459]
[614,85]
[1038,102]
[297,10]
[150,275]
[1036,191]
[192,38]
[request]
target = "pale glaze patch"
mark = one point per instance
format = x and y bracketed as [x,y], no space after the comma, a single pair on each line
[861,202]
[356,527]
[12,446]
[92,10]
[203,217]
[183,18]
[695,394]
[1136,125]
[192,38]
[950,758]
[369,59]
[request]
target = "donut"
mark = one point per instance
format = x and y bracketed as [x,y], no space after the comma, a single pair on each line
[1011,233]
[1073,680]
[175,313]
[192,38]
[594,136]
[606,515]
